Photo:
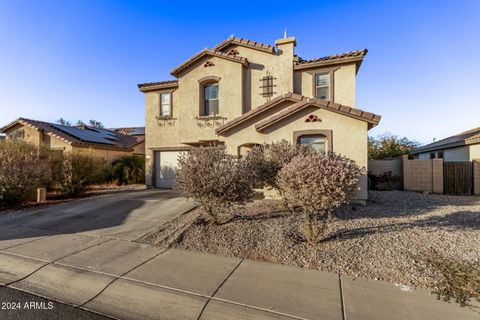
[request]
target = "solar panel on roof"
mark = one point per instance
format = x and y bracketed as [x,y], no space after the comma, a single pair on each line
[85,134]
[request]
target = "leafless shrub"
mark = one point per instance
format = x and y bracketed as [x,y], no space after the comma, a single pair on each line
[23,168]
[215,179]
[318,184]
[267,160]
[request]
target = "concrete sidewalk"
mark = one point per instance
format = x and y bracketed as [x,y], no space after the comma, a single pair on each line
[128,280]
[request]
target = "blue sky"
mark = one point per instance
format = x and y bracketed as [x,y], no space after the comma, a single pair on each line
[83,59]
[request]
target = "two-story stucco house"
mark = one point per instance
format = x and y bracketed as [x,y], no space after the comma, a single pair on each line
[242,93]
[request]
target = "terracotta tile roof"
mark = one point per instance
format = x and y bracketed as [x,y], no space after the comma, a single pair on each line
[347,56]
[208,52]
[245,43]
[122,142]
[468,137]
[157,85]
[299,103]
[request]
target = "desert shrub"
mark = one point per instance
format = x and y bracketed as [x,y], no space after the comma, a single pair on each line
[128,170]
[74,172]
[458,280]
[267,160]
[383,182]
[216,180]
[23,168]
[318,184]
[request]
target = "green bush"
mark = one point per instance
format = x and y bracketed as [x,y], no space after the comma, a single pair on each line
[23,168]
[128,170]
[74,172]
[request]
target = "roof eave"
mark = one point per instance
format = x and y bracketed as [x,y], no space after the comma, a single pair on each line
[176,71]
[226,43]
[315,64]
[157,87]
[9,125]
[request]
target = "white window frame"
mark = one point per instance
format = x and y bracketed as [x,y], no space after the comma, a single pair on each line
[328,86]
[169,104]
[213,99]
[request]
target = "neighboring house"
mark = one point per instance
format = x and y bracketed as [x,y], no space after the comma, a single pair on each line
[103,143]
[139,134]
[243,93]
[464,146]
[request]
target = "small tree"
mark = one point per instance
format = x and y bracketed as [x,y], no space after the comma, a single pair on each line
[128,170]
[215,179]
[317,185]
[23,168]
[267,160]
[389,146]
[64,122]
[76,172]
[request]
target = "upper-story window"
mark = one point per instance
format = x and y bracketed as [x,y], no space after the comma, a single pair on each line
[322,85]
[210,99]
[166,104]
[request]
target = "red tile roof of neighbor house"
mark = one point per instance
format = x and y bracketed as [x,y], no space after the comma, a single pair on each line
[468,137]
[299,103]
[120,141]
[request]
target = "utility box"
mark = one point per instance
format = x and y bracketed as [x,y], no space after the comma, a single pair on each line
[41,195]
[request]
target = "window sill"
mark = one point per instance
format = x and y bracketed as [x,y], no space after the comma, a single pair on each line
[165,118]
[210,118]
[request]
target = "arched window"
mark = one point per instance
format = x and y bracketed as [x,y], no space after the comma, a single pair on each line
[316,142]
[210,99]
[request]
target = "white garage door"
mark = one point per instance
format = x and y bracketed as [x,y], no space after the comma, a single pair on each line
[166,163]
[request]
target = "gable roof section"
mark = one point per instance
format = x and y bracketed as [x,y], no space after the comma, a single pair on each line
[207,52]
[244,43]
[464,138]
[351,56]
[80,137]
[149,86]
[300,102]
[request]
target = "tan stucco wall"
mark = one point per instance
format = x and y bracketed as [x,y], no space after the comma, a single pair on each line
[474,152]
[31,135]
[423,175]
[343,83]
[349,136]
[107,155]
[139,149]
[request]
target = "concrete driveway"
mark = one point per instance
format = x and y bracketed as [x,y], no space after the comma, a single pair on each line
[81,254]
[124,216]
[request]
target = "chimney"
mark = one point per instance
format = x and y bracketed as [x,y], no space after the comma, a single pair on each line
[286,53]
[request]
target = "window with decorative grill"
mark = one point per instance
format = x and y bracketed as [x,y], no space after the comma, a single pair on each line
[267,85]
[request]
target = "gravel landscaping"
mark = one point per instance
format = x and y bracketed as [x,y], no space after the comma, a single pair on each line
[384,240]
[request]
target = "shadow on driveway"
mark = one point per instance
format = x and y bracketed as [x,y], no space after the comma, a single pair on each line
[103,215]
